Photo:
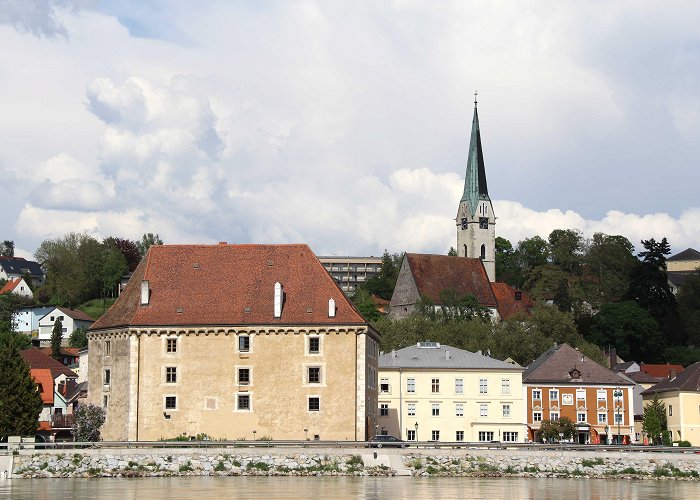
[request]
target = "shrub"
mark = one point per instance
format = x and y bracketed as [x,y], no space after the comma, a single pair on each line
[355,460]
[87,420]
[590,463]
[219,467]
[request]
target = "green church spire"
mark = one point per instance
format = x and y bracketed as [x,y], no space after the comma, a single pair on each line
[475,188]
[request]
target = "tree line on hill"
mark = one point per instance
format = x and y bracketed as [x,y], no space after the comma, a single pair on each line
[607,296]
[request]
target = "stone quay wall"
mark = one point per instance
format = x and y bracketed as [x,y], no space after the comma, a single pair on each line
[154,462]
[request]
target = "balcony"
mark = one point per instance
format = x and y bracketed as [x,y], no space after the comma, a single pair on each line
[60,421]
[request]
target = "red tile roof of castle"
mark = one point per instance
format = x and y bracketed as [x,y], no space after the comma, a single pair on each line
[435,273]
[508,305]
[229,285]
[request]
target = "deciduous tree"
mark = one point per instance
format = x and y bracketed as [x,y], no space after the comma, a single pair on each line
[147,241]
[87,421]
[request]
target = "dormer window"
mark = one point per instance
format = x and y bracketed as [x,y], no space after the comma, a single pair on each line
[518,295]
[575,374]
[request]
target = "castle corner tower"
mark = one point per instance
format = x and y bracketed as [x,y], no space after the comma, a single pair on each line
[476,222]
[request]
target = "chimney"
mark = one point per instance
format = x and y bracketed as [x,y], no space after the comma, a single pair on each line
[672,374]
[479,352]
[223,243]
[279,297]
[331,308]
[145,293]
[613,357]
[447,354]
[393,353]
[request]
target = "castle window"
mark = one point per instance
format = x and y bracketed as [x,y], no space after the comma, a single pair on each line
[483,252]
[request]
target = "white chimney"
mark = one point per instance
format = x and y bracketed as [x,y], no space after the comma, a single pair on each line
[447,354]
[145,293]
[279,294]
[331,308]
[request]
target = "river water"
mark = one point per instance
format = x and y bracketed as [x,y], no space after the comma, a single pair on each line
[210,488]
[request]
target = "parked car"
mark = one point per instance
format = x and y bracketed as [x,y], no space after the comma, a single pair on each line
[388,441]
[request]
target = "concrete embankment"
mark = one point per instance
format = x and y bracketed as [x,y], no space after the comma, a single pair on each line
[132,462]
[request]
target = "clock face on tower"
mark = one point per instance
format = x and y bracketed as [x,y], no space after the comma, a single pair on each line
[464,223]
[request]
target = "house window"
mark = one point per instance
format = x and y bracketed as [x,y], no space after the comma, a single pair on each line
[244,343]
[243,376]
[105,401]
[459,410]
[436,385]
[410,435]
[170,374]
[436,409]
[314,345]
[553,416]
[411,385]
[384,385]
[618,416]
[108,347]
[483,386]
[314,375]
[506,411]
[243,402]
[435,435]
[602,399]
[537,416]
[580,396]
[581,417]
[411,411]
[459,386]
[459,435]
[483,410]
[602,418]
[485,435]
[510,437]
[107,376]
[314,403]
[554,395]
[384,410]
[505,386]
[171,345]
[670,410]
[170,402]
[536,395]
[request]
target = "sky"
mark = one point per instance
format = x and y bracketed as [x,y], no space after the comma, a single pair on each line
[345,125]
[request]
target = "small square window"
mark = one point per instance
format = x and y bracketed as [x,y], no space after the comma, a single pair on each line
[536,394]
[537,416]
[243,376]
[171,345]
[459,436]
[170,402]
[435,435]
[314,375]
[170,374]
[314,404]
[581,417]
[243,402]
[436,410]
[410,435]
[602,418]
[553,395]
[436,385]
[384,410]
[384,385]
[314,345]
[244,343]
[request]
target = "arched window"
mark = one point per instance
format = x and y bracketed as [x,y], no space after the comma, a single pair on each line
[483,252]
[465,251]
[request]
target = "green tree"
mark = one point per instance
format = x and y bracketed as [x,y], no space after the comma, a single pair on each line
[364,303]
[654,420]
[556,430]
[689,308]
[531,252]
[382,285]
[129,249]
[147,241]
[507,267]
[609,261]
[56,337]
[87,421]
[64,271]
[20,402]
[7,248]
[566,250]
[456,307]
[78,338]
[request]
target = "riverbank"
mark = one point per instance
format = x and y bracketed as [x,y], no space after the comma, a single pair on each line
[120,462]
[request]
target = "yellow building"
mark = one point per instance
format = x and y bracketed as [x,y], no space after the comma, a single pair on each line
[430,392]
[681,398]
[233,341]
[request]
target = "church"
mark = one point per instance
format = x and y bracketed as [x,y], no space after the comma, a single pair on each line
[473,271]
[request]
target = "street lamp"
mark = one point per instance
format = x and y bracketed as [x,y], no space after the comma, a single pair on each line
[607,434]
[416,434]
[618,395]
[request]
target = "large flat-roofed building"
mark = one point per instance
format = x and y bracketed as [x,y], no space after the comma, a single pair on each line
[233,341]
[350,272]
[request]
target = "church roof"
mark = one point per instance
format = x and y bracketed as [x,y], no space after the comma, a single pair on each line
[229,285]
[510,301]
[687,254]
[475,187]
[464,275]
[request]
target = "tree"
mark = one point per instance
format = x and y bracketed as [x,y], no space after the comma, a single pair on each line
[147,241]
[87,421]
[7,248]
[452,252]
[557,430]
[382,285]
[689,308]
[78,338]
[507,268]
[531,252]
[654,420]
[56,337]
[566,250]
[609,262]
[129,249]
[364,303]
[20,402]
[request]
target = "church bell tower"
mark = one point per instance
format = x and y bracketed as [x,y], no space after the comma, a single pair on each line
[476,222]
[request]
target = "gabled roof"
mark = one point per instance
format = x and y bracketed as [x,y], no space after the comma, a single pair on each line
[661,370]
[43,377]
[435,273]
[38,360]
[687,254]
[687,380]
[432,355]
[10,285]
[555,366]
[508,306]
[71,313]
[643,378]
[229,285]
[18,265]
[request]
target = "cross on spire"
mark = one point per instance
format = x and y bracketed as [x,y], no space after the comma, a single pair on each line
[476,93]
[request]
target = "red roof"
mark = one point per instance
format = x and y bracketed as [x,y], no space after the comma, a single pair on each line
[10,286]
[464,275]
[662,371]
[508,305]
[44,378]
[37,360]
[229,285]
[65,351]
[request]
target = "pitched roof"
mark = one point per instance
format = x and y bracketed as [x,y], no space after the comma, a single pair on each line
[10,285]
[687,380]
[661,370]
[556,364]
[38,360]
[73,313]
[18,265]
[43,377]
[464,275]
[643,378]
[687,254]
[229,285]
[433,355]
[508,306]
